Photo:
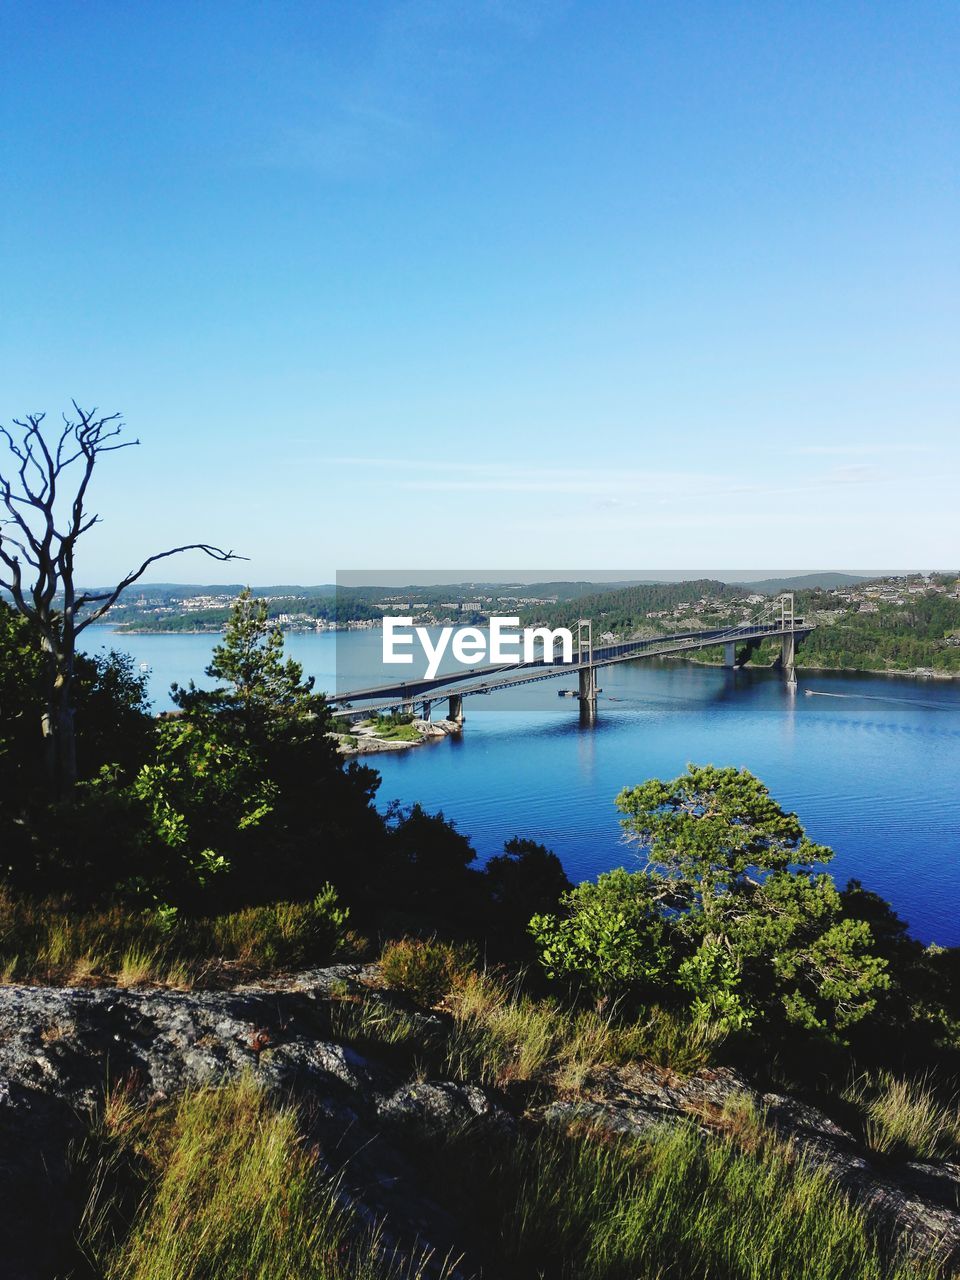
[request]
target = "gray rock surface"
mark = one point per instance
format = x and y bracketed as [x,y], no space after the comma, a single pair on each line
[60,1049]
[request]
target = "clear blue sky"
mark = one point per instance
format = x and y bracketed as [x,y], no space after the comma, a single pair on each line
[450,284]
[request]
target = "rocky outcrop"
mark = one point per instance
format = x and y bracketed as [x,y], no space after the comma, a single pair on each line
[919,1202]
[61,1048]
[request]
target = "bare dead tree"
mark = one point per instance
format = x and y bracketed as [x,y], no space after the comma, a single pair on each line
[45,516]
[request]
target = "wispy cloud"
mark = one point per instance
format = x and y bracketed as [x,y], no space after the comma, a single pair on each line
[858,450]
[423,56]
[606,487]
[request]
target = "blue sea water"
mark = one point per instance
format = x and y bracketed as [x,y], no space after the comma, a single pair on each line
[870,763]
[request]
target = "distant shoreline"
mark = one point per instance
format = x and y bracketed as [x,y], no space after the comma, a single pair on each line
[917,673]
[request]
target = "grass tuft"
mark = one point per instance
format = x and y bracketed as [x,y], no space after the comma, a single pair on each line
[226,1185]
[46,941]
[906,1117]
[424,970]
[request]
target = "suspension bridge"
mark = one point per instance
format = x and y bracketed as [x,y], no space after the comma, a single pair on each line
[454,686]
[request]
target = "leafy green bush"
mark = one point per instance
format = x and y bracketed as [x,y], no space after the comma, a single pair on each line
[611,937]
[525,880]
[424,970]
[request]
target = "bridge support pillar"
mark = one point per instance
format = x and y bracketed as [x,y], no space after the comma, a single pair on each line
[425,709]
[788,658]
[588,684]
[455,708]
[788,645]
[730,653]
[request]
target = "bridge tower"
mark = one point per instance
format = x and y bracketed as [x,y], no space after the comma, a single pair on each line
[588,672]
[788,643]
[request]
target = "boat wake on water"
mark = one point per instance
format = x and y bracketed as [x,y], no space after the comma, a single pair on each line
[879,697]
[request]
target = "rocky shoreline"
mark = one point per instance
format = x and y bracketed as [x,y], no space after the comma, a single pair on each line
[367,741]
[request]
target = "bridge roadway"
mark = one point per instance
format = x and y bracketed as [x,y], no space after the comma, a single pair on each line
[387,697]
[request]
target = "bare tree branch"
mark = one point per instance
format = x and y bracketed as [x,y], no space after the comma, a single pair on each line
[110,597]
[30,494]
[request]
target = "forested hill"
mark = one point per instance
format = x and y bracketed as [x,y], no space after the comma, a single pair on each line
[887,624]
[623,611]
[884,629]
[903,623]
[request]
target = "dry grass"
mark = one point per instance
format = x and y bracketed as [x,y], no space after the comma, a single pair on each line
[222,1184]
[502,1035]
[425,970]
[907,1117]
[51,943]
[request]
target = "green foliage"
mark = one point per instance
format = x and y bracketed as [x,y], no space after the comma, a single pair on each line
[897,637]
[283,934]
[610,938]
[526,879]
[251,660]
[113,724]
[245,798]
[712,976]
[425,970]
[728,908]
[426,869]
[21,694]
[708,828]
[397,727]
[112,714]
[59,846]
[204,797]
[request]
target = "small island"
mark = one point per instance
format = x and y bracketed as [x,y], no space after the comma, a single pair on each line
[394,732]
